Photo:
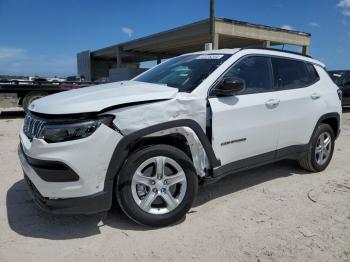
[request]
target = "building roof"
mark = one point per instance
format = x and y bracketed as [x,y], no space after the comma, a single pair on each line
[192,37]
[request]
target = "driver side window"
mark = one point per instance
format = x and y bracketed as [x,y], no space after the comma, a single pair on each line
[256,72]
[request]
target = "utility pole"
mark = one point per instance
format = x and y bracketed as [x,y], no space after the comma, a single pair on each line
[212,23]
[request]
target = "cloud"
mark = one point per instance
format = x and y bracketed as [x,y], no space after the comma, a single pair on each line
[345,6]
[128,31]
[346,12]
[344,3]
[314,24]
[19,61]
[287,27]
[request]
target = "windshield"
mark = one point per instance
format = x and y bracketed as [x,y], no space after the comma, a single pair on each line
[184,72]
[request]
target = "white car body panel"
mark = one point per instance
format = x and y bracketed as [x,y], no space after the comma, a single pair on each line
[88,157]
[243,126]
[296,128]
[97,98]
[299,111]
[183,106]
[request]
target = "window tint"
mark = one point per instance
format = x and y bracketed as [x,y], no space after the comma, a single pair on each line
[290,74]
[314,77]
[255,71]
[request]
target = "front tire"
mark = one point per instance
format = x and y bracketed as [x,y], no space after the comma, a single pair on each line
[320,150]
[157,185]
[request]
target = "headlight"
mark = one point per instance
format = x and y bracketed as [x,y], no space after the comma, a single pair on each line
[53,133]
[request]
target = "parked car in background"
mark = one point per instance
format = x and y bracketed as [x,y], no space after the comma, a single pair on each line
[342,79]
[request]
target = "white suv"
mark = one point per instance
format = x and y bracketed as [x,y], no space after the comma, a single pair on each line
[193,119]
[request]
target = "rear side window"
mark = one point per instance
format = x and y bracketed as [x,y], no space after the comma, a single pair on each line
[314,77]
[256,73]
[292,74]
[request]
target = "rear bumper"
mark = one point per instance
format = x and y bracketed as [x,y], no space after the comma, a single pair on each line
[79,205]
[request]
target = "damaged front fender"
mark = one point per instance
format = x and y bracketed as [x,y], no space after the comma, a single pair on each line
[136,117]
[201,148]
[199,156]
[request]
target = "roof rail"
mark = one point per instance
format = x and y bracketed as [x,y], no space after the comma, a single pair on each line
[274,49]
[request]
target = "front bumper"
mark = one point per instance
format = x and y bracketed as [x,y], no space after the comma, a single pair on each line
[70,177]
[80,205]
[88,158]
[95,203]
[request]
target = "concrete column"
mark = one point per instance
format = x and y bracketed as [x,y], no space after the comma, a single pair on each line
[84,63]
[216,41]
[306,49]
[267,44]
[119,57]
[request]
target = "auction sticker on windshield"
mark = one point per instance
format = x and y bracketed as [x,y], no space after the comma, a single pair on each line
[209,56]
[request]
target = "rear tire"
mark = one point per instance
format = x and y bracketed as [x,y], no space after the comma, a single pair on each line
[30,97]
[320,150]
[157,185]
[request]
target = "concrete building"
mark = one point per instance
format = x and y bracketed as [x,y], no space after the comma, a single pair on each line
[122,61]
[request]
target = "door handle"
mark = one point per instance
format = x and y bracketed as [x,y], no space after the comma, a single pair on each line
[272,103]
[315,96]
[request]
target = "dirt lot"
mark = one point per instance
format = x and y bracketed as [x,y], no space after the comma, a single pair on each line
[273,213]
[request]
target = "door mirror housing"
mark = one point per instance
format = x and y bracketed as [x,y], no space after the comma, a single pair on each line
[230,86]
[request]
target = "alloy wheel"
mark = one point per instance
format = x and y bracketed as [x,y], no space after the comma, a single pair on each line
[323,148]
[159,185]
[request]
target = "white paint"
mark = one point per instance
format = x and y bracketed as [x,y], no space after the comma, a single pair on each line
[243,117]
[183,106]
[97,98]
[88,157]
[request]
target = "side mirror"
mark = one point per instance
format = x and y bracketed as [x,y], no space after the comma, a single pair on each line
[230,86]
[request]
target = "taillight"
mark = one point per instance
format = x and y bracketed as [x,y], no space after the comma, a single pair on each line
[340,94]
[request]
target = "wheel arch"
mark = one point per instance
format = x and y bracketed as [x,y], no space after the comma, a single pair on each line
[163,131]
[173,139]
[332,119]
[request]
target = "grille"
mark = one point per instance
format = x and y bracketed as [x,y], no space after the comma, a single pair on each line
[32,126]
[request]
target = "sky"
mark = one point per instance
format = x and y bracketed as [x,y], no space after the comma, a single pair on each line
[42,37]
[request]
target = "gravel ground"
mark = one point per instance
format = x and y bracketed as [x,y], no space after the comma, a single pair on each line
[8,100]
[273,213]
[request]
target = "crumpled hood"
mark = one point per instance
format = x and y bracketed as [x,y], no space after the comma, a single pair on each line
[97,98]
